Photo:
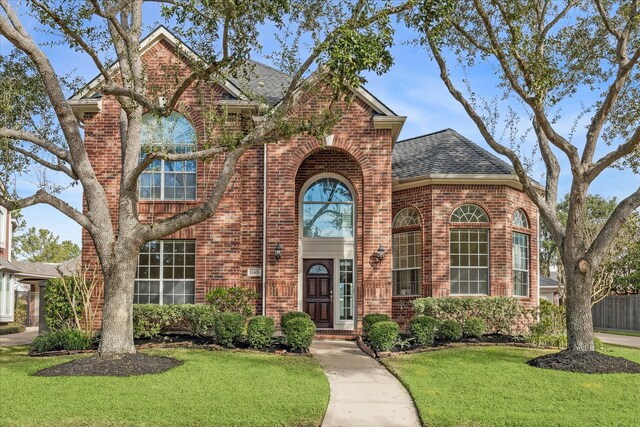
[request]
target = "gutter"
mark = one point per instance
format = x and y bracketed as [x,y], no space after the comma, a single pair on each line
[264,230]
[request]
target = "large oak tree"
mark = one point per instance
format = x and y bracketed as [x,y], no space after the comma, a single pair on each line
[538,60]
[335,40]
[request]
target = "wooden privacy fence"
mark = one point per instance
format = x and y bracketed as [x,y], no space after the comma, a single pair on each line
[617,312]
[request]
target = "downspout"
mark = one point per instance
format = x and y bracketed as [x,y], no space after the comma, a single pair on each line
[264,230]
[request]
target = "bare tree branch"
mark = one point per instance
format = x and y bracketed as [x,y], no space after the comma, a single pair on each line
[36,140]
[55,167]
[41,196]
[613,156]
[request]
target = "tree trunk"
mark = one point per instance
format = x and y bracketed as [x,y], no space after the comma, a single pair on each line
[578,306]
[117,323]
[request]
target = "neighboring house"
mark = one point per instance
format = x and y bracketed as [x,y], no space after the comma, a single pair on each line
[7,269]
[355,223]
[549,290]
[33,277]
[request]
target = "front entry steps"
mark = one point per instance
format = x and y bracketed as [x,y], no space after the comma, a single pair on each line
[335,334]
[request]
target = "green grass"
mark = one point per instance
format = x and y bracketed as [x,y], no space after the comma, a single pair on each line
[209,389]
[493,386]
[618,332]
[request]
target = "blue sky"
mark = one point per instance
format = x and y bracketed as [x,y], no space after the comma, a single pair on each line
[411,88]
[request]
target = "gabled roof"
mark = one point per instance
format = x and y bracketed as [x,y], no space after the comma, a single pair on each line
[442,153]
[547,282]
[259,79]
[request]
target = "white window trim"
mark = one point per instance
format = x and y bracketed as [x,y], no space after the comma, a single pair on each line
[393,285]
[528,270]
[161,278]
[488,267]
[162,185]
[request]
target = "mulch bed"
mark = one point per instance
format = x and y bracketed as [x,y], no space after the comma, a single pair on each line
[587,362]
[123,366]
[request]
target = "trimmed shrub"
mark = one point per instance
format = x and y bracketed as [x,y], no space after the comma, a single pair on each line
[260,330]
[58,313]
[150,320]
[450,330]
[500,314]
[12,328]
[238,300]
[298,332]
[200,318]
[383,335]
[228,327]
[423,330]
[68,339]
[371,319]
[473,327]
[293,315]
[551,320]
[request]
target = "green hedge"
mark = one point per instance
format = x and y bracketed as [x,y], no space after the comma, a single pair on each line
[298,332]
[237,300]
[149,320]
[68,339]
[259,331]
[500,314]
[450,330]
[58,313]
[290,315]
[371,319]
[473,327]
[228,327]
[423,329]
[11,328]
[383,335]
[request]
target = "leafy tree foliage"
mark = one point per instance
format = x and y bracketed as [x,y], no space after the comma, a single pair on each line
[41,245]
[550,57]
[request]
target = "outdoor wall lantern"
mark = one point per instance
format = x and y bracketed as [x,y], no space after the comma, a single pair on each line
[380,253]
[278,251]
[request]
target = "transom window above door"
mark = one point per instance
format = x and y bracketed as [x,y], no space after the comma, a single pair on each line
[327,209]
[163,179]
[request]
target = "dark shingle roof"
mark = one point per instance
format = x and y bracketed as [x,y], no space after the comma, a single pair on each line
[262,80]
[45,270]
[547,282]
[444,152]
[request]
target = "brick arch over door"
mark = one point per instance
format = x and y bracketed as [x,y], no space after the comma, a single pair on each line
[341,163]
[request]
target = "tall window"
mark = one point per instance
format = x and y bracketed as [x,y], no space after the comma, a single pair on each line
[168,180]
[345,291]
[407,253]
[469,252]
[166,273]
[327,209]
[520,255]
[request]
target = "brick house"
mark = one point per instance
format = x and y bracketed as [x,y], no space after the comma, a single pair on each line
[355,223]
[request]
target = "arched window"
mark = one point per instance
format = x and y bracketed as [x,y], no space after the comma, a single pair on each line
[520,219]
[327,209]
[469,213]
[407,253]
[168,180]
[520,255]
[469,252]
[406,218]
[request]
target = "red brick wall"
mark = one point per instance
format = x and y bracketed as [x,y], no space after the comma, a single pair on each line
[436,203]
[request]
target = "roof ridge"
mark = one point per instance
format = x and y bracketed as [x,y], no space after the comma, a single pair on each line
[426,134]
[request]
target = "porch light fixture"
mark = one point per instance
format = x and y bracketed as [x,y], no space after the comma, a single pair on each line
[278,251]
[380,253]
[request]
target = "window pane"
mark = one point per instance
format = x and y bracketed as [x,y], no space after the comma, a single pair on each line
[328,220]
[173,274]
[345,290]
[406,217]
[520,260]
[328,190]
[469,269]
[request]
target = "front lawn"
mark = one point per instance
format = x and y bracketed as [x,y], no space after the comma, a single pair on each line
[493,386]
[209,389]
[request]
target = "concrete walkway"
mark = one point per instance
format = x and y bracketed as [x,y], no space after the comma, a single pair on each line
[363,392]
[22,338]
[627,341]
